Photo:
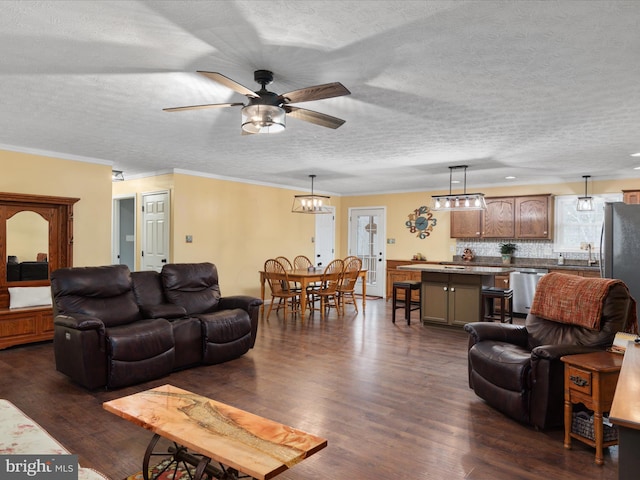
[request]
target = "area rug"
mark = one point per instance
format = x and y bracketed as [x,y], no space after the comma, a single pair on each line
[181,474]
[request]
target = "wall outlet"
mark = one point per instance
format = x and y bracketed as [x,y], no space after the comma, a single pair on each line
[391,241]
[452,248]
[189,239]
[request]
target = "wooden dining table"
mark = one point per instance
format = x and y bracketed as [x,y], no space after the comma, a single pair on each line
[305,278]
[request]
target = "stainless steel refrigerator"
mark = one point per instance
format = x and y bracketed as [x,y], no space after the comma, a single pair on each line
[620,245]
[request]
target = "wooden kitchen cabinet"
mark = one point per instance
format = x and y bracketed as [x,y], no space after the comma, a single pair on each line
[498,220]
[580,273]
[533,216]
[524,217]
[501,281]
[395,275]
[466,224]
[631,196]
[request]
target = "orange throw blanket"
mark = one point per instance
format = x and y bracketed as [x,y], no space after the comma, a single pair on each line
[577,300]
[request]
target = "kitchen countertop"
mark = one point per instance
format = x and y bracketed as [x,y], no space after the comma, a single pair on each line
[462,269]
[580,265]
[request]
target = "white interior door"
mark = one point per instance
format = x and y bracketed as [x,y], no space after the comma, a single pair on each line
[325,239]
[366,241]
[155,232]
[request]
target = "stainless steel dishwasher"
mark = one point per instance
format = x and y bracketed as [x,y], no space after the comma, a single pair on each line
[523,283]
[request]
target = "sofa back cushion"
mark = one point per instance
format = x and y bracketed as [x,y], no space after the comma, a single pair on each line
[102,292]
[614,315]
[147,287]
[193,286]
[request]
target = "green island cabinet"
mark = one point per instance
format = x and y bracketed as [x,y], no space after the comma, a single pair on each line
[452,299]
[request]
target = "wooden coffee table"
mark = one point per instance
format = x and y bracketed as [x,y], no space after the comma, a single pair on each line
[202,430]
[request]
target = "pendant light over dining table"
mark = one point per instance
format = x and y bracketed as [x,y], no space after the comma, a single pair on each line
[459,201]
[311,203]
[585,204]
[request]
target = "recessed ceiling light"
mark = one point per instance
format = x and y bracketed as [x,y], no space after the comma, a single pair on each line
[636,168]
[635,154]
[509,177]
[455,181]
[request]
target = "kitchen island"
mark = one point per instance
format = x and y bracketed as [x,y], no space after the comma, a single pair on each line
[452,294]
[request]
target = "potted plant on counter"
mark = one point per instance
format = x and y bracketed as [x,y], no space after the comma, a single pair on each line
[507,249]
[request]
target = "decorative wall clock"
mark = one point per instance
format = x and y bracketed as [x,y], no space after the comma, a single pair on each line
[421,222]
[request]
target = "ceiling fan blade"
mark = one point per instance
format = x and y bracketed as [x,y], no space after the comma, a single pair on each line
[310,116]
[201,107]
[227,82]
[318,92]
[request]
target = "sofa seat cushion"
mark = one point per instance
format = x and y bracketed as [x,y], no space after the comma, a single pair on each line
[139,352]
[226,335]
[140,340]
[505,365]
[225,325]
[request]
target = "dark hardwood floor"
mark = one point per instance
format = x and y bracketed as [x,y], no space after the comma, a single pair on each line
[392,400]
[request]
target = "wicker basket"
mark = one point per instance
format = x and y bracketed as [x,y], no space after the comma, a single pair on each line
[582,425]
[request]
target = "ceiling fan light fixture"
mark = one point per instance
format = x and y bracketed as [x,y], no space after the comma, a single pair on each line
[311,203]
[263,118]
[472,201]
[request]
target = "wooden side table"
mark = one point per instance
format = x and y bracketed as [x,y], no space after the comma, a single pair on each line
[590,379]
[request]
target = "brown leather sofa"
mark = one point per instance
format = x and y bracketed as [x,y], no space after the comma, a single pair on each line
[114,328]
[517,368]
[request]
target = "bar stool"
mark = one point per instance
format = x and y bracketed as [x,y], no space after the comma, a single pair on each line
[409,305]
[489,294]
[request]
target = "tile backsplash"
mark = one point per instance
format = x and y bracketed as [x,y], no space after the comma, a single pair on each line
[525,249]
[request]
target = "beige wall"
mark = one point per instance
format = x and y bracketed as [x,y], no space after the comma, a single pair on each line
[40,175]
[237,226]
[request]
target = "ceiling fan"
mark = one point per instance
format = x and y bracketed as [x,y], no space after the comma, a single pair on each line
[266,111]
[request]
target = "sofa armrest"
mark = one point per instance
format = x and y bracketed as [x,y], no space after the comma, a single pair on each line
[163,310]
[250,304]
[502,332]
[244,302]
[554,352]
[79,322]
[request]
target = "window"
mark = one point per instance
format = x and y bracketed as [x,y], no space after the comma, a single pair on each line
[573,227]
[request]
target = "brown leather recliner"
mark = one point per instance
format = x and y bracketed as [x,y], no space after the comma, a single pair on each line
[517,369]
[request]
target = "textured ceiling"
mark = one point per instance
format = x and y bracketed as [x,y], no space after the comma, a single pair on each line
[544,91]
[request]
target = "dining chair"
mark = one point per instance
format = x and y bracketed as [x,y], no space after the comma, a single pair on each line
[286,262]
[346,289]
[327,293]
[281,288]
[302,263]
